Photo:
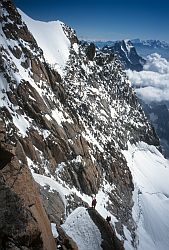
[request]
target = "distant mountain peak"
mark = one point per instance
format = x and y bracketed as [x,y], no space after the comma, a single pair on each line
[127,54]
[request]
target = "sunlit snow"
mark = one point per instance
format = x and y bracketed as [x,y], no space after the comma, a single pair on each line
[150,171]
[54,230]
[80,227]
[51,39]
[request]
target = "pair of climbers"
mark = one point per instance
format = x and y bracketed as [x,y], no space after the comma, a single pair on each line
[94,202]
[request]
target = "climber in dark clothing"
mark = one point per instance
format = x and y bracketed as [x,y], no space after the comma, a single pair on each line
[94,203]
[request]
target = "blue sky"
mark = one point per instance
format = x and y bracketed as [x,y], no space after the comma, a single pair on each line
[105,19]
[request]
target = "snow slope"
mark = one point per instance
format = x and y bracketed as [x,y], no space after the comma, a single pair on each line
[150,171]
[51,39]
[80,227]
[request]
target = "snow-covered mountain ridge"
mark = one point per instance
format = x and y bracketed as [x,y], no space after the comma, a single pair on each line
[149,42]
[143,47]
[56,51]
[127,54]
[73,132]
[148,47]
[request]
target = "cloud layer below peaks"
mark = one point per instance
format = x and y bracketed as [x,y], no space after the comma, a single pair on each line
[152,84]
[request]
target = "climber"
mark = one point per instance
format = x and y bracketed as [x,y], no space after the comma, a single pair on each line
[61,221]
[108,219]
[94,202]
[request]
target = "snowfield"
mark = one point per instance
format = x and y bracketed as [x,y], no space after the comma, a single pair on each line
[80,227]
[51,39]
[150,171]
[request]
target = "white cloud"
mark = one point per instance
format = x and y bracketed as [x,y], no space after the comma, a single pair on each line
[156,63]
[152,84]
[149,94]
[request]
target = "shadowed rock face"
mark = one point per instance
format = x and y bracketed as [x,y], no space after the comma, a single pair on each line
[5,157]
[158,114]
[17,225]
[65,241]
[90,51]
[53,204]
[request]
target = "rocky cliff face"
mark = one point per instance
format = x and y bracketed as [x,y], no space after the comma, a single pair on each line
[70,127]
[158,114]
[24,223]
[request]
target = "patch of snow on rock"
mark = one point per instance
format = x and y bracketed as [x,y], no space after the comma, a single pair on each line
[80,227]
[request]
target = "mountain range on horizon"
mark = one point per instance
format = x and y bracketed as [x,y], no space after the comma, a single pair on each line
[148,42]
[143,47]
[71,129]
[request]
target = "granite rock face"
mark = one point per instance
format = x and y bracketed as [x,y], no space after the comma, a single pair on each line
[23,220]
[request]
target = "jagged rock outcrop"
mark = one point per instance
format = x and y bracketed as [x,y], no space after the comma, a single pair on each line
[109,238]
[91,51]
[127,54]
